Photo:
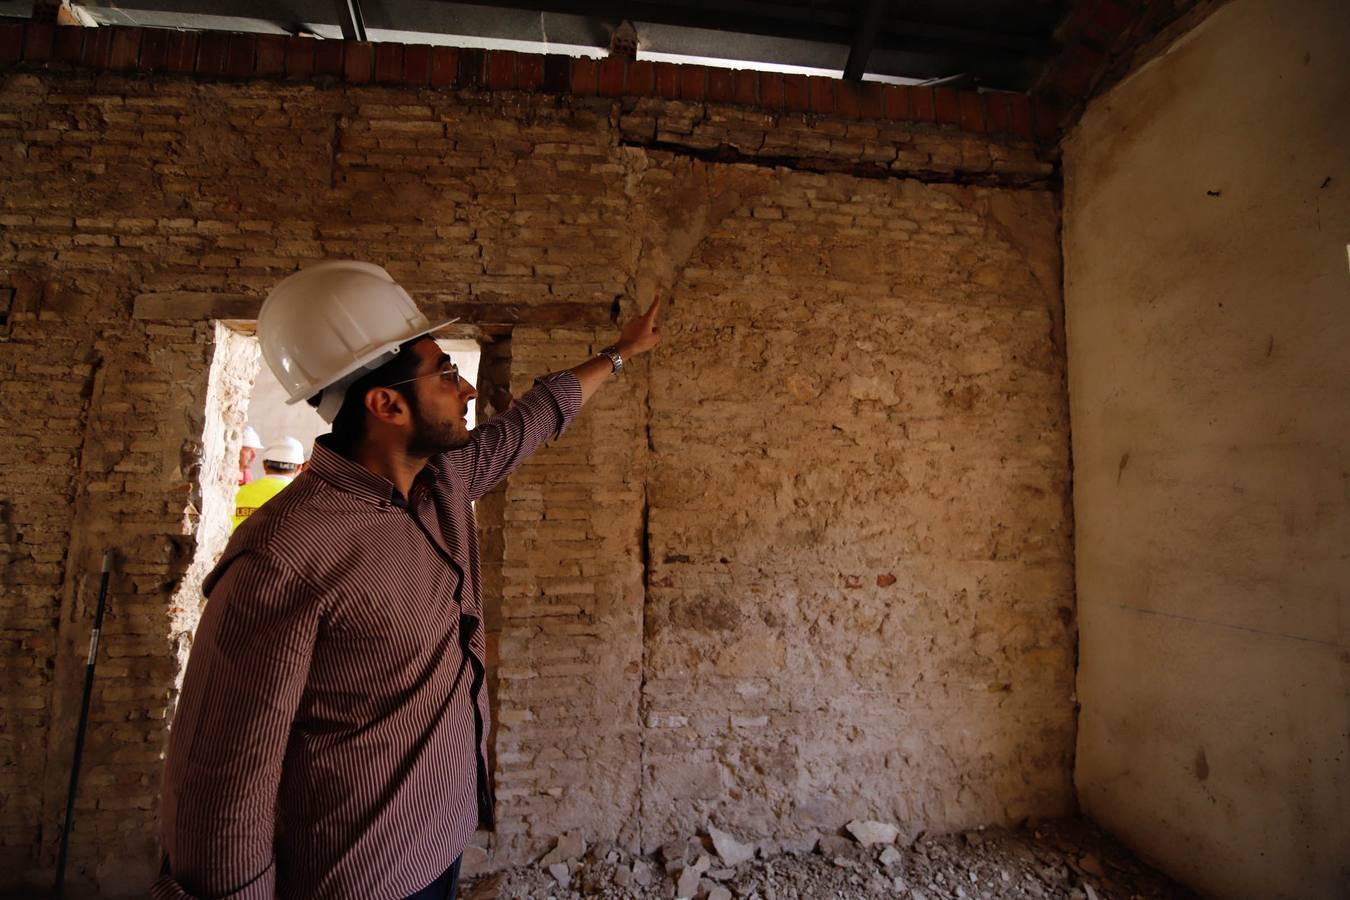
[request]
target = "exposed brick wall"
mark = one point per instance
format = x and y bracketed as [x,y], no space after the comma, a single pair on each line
[877,294]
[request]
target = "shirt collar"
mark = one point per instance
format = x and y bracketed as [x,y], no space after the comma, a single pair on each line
[350,476]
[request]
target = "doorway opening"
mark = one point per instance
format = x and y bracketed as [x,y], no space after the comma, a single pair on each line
[243,393]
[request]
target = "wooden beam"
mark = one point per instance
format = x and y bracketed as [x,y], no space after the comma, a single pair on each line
[864,39]
[488,312]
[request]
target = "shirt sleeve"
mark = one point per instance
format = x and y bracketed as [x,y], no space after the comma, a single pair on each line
[502,443]
[244,680]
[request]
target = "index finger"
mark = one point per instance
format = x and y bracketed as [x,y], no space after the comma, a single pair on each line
[650,314]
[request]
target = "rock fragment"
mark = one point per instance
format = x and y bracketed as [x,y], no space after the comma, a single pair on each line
[570,846]
[687,886]
[732,851]
[832,845]
[868,833]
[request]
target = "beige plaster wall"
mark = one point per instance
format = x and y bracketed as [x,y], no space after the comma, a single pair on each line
[1206,218]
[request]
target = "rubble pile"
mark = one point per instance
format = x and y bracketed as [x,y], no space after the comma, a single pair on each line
[1069,859]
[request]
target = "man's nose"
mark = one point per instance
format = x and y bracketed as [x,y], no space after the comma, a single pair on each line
[466,389]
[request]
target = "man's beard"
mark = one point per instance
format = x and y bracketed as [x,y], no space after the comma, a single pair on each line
[429,438]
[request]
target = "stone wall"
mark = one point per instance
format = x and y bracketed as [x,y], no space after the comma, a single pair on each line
[810,561]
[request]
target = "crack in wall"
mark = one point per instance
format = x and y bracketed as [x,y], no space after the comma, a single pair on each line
[727,155]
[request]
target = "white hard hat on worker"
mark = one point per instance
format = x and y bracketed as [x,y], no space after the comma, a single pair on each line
[288,451]
[326,326]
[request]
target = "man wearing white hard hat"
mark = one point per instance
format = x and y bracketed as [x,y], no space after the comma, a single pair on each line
[330,738]
[281,462]
[248,451]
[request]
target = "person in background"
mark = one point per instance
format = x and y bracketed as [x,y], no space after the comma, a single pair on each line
[247,453]
[281,463]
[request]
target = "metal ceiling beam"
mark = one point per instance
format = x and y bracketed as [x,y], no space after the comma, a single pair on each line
[864,39]
[350,18]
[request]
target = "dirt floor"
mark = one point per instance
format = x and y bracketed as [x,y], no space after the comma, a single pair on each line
[1063,858]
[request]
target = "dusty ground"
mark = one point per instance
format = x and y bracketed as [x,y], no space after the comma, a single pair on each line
[1059,859]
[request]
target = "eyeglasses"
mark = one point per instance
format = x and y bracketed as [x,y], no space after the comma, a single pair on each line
[449,373]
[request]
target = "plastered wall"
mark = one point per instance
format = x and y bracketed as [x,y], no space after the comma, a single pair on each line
[1206,221]
[810,562]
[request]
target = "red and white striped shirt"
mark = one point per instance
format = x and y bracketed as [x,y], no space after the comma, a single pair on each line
[330,738]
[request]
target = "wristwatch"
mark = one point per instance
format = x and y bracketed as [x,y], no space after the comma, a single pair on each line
[611,353]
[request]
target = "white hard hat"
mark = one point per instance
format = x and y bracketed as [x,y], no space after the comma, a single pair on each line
[286,450]
[326,325]
[251,438]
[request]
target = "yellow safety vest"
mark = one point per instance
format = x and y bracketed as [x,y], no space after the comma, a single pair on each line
[255,494]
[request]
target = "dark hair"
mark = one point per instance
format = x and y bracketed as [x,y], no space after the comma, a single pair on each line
[349,426]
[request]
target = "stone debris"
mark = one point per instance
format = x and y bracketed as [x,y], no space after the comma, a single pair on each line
[834,845]
[732,851]
[570,846]
[1068,859]
[868,833]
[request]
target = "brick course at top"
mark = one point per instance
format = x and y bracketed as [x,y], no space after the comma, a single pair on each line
[219,54]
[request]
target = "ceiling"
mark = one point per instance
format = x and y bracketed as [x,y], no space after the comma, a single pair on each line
[994,44]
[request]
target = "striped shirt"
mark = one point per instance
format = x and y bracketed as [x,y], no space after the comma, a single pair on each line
[330,738]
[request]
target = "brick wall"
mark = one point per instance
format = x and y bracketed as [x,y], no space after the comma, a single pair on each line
[809,563]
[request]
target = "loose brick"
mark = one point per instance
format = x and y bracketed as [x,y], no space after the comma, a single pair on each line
[772,95]
[11,42]
[822,94]
[611,77]
[417,65]
[1000,113]
[530,71]
[499,70]
[585,77]
[470,67]
[947,106]
[1047,113]
[97,47]
[796,94]
[667,81]
[557,74]
[358,64]
[1021,116]
[444,66]
[213,52]
[154,50]
[641,79]
[720,88]
[922,104]
[69,44]
[389,63]
[299,57]
[745,89]
[328,57]
[972,111]
[38,42]
[693,82]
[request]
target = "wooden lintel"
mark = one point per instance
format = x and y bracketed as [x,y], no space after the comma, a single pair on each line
[489,315]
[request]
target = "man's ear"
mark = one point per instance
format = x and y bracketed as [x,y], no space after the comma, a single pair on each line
[387,405]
